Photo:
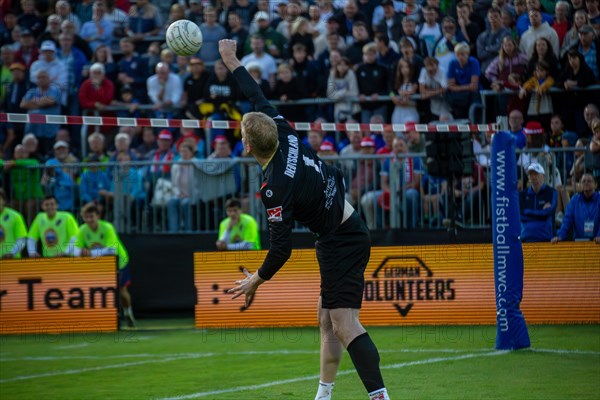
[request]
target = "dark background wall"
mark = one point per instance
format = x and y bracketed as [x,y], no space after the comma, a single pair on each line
[162,266]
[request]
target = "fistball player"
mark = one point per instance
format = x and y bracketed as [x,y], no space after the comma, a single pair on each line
[298,186]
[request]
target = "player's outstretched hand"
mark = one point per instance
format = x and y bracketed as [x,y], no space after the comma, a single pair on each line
[246,286]
[227,48]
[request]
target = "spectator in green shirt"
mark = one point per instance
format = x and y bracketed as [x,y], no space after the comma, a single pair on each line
[25,181]
[238,231]
[57,230]
[97,238]
[13,232]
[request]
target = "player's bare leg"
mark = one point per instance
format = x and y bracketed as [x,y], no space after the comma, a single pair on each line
[362,350]
[126,305]
[330,356]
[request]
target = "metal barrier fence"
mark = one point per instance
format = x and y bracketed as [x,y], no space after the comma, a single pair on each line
[189,196]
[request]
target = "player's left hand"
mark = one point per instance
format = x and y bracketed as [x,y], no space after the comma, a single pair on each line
[247,286]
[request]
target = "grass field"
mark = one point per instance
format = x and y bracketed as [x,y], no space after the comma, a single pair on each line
[418,363]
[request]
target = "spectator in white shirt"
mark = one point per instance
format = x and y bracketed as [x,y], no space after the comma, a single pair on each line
[536,31]
[164,89]
[63,9]
[56,69]
[258,55]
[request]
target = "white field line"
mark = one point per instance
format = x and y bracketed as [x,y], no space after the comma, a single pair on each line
[99,368]
[345,372]
[270,352]
[568,352]
[241,353]
[144,337]
[183,356]
[72,346]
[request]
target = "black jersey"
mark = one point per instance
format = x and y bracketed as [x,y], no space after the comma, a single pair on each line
[297,186]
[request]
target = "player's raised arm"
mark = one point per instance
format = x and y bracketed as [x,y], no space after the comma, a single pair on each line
[249,87]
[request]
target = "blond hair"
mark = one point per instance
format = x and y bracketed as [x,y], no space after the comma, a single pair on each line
[298,24]
[463,48]
[261,134]
[285,66]
[96,135]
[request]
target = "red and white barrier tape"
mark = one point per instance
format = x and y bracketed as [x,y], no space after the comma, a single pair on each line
[192,123]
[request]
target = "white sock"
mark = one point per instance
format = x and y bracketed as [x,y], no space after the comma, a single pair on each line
[324,392]
[379,394]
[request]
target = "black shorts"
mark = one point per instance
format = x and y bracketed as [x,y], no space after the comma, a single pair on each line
[343,257]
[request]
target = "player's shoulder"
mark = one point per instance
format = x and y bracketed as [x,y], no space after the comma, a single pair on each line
[106,225]
[6,216]
[65,214]
[248,218]
[41,216]
[10,213]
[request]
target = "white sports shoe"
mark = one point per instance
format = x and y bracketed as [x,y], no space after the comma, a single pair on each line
[324,392]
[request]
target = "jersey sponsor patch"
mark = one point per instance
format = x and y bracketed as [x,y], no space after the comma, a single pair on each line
[51,237]
[269,193]
[274,214]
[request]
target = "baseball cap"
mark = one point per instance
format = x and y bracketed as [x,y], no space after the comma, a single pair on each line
[48,45]
[326,146]
[536,167]
[253,65]
[387,3]
[189,134]
[261,15]
[60,143]
[165,134]
[17,65]
[26,32]
[533,128]
[367,142]
[586,29]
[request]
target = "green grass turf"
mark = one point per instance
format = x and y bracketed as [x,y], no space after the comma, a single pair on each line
[418,363]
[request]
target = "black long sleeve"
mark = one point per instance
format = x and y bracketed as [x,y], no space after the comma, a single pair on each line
[252,91]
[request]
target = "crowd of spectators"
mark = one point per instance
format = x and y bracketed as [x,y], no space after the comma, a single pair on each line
[387,61]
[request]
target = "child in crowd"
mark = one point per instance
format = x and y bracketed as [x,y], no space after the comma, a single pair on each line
[540,104]
[127,100]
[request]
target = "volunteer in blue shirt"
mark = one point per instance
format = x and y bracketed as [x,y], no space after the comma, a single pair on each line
[538,205]
[582,214]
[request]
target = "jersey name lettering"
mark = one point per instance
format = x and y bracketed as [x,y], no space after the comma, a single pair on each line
[292,160]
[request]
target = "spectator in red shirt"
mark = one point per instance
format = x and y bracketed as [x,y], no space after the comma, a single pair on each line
[561,22]
[388,138]
[97,92]
[28,52]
